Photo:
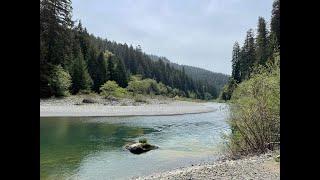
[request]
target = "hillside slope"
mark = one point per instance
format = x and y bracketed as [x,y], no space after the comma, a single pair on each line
[217,80]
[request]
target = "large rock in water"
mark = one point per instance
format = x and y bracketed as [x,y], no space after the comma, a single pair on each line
[138,148]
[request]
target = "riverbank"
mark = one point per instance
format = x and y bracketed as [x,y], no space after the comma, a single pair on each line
[257,167]
[73,106]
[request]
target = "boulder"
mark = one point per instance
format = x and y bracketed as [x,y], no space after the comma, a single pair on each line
[138,148]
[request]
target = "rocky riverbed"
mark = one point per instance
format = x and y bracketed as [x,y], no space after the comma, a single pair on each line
[97,106]
[256,167]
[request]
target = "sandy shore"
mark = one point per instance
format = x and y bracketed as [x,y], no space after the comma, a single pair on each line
[67,107]
[257,167]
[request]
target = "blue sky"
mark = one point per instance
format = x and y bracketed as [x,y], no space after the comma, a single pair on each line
[193,32]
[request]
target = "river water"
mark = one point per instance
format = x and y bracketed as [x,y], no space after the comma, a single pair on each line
[92,147]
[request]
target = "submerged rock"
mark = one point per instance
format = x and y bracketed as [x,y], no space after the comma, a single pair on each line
[138,148]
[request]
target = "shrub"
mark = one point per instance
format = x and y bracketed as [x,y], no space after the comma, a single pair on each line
[85,91]
[60,81]
[111,88]
[255,113]
[143,140]
[139,98]
[227,90]
[137,87]
[163,89]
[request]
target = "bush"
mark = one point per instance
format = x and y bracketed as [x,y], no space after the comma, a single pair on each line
[227,90]
[145,86]
[60,81]
[163,89]
[143,140]
[255,113]
[85,92]
[111,88]
[139,98]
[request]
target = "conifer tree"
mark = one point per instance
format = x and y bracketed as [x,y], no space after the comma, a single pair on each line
[120,74]
[81,79]
[248,56]
[275,21]
[111,75]
[236,62]
[262,42]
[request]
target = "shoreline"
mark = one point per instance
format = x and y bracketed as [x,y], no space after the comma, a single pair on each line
[155,107]
[261,166]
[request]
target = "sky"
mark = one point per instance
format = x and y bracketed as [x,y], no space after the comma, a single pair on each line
[198,33]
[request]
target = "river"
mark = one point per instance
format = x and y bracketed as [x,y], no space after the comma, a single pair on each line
[92,147]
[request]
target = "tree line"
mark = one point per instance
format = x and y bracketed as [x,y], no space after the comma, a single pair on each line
[256,50]
[72,60]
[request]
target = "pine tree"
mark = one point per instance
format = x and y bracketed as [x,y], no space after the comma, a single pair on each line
[236,62]
[262,42]
[120,74]
[275,21]
[111,75]
[81,79]
[55,23]
[98,72]
[248,56]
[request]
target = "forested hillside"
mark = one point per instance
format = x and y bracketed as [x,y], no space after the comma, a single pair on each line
[72,60]
[217,80]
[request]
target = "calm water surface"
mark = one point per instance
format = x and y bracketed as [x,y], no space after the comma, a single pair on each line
[92,148]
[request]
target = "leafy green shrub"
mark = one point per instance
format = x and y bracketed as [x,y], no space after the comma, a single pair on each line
[143,140]
[137,87]
[60,81]
[111,88]
[85,91]
[163,89]
[227,90]
[255,112]
[140,98]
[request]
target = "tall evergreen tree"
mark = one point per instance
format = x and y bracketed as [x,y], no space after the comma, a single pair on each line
[111,74]
[120,74]
[236,62]
[248,56]
[262,42]
[275,21]
[99,72]
[81,79]
[55,22]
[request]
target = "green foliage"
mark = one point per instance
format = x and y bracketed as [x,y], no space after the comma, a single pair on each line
[275,22]
[143,140]
[121,74]
[255,112]
[262,43]
[163,90]
[111,74]
[112,89]
[145,86]
[236,74]
[228,89]
[98,71]
[60,81]
[207,96]
[140,98]
[81,79]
